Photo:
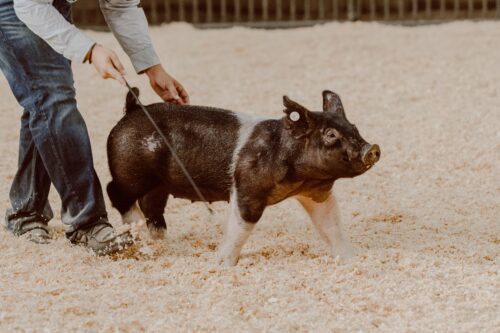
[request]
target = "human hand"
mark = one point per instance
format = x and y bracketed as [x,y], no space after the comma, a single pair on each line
[107,64]
[168,88]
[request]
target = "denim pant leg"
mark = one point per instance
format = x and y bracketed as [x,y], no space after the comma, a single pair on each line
[42,82]
[30,188]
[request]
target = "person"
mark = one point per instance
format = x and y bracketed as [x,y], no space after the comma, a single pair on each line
[38,42]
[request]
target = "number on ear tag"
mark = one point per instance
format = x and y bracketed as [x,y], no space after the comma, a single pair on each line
[294,116]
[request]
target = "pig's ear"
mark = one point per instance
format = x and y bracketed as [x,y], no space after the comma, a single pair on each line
[298,118]
[332,103]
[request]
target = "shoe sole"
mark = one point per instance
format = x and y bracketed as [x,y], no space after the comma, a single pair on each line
[120,243]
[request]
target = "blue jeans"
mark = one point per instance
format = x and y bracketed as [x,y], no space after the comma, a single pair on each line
[54,144]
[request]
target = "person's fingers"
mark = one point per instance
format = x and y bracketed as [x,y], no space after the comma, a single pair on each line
[182,92]
[117,63]
[173,101]
[160,90]
[168,92]
[172,91]
[115,74]
[166,96]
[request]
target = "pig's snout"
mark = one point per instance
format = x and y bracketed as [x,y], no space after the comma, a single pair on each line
[370,154]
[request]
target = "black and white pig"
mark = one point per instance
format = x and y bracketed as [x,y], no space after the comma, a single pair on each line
[250,162]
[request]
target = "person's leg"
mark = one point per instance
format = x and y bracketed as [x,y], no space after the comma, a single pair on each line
[30,210]
[42,82]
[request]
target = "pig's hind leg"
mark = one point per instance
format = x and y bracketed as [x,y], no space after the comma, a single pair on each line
[326,219]
[124,198]
[153,206]
[121,198]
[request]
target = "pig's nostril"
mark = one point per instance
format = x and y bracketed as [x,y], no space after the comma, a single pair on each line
[376,152]
[371,154]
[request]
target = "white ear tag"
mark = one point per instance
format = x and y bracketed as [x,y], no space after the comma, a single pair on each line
[294,116]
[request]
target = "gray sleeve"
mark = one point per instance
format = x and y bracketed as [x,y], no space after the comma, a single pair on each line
[128,23]
[46,22]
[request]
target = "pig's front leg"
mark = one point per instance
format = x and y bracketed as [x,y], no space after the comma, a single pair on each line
[326,219]
[237,233]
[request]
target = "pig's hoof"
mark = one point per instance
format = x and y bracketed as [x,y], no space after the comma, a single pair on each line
[227,261]
[157,233]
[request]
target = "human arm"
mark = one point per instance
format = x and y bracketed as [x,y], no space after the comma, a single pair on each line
[43,19]
[128,23]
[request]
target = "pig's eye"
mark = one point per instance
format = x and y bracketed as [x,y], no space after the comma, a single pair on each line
[330,136]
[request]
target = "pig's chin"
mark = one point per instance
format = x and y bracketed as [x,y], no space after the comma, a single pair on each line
[364,168]
[347,169]
[357,169]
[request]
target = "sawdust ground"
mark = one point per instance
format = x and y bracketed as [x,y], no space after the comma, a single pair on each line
[424,221]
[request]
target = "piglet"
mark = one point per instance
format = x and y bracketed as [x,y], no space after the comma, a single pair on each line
[250,162]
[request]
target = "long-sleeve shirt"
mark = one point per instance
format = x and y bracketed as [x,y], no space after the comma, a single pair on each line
[125,19]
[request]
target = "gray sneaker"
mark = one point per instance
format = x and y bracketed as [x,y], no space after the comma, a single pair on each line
[102,239]
[35,232]
[38,235]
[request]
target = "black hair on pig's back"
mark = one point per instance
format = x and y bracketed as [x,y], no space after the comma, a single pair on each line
[204,138]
